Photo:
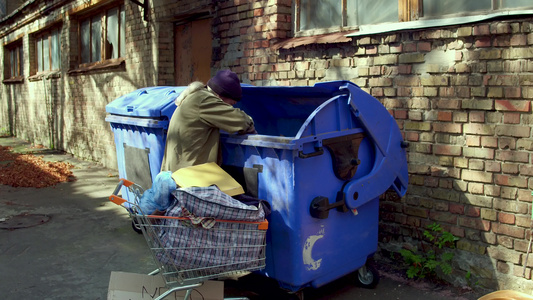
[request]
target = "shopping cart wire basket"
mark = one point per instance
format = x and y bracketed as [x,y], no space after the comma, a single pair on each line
[189,250]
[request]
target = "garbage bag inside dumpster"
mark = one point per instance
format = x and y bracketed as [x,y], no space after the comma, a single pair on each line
[139,121]
[323,156]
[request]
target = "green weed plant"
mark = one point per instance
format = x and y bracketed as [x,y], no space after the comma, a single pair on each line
[433,256]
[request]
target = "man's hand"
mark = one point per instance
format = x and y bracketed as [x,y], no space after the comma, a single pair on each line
[250,130]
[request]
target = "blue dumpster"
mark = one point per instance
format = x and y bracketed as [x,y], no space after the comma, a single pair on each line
[323,156]
[139,121]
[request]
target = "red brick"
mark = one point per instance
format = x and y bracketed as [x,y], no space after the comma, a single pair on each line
[511,118]
[258,12]
[451,150]
[513,92]
[483,42]
[509,105]
[477,116]
[445,116]
[424,46]
[508,230]
[457,231]
[506,218]
[519,40]
[501,41]
[409,47]
[412,136]
[510,181]
[473,211]
[405,69]
[482,30]
[458,209]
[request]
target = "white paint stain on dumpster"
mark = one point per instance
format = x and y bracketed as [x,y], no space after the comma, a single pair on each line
[310,263]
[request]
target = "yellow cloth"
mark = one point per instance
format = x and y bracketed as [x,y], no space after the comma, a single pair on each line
[206,175]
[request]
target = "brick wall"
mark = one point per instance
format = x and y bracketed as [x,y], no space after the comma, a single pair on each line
[462,97]
[66,110]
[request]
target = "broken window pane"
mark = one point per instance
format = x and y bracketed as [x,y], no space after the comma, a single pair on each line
[122,32]
[111,46]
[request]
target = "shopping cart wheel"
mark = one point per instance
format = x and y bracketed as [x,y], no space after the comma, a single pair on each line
[136,227]
[367,277]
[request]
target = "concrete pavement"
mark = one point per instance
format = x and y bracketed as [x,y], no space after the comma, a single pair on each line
[70,253]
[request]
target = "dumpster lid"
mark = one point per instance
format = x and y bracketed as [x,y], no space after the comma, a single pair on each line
[154,102]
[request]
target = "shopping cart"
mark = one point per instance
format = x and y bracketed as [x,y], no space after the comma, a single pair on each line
[189,251]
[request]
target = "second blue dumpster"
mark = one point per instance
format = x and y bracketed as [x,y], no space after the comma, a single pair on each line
[139,121]
[323,156]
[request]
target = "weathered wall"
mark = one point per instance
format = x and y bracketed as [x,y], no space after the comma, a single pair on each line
[66,110]
[461,95]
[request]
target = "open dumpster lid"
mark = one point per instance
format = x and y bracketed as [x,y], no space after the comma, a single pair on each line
[154,102]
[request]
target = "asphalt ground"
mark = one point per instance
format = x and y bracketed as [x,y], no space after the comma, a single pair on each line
[71,238]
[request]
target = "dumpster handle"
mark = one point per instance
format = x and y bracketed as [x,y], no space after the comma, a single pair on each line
[319,151]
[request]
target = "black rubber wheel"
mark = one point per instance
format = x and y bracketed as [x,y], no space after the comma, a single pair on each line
[136,227]
[367,277]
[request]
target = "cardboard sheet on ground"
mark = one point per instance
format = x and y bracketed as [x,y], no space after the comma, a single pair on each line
[206,175]
[133,286]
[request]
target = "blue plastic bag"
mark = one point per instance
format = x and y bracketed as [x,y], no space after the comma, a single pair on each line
[159,197]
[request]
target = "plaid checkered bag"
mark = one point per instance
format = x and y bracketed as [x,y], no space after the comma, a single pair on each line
[213,203]
[201,249]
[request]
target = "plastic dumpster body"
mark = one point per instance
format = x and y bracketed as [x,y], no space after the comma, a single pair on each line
[139,121]
[323,156]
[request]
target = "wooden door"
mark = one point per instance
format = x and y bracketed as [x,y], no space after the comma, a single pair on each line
[193,52]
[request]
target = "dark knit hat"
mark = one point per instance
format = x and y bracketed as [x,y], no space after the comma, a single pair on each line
[226,84]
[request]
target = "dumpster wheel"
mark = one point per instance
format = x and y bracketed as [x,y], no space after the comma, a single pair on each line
[367,277]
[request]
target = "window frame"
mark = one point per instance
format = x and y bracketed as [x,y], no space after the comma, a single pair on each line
[408,11]
[15,47]
[47,32]
[103,60]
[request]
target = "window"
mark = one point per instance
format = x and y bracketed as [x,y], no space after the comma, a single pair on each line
[323,16]
[439,8]
[47,50]
[102,36]
[320,16]
[14,61]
